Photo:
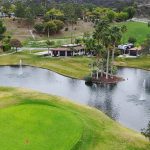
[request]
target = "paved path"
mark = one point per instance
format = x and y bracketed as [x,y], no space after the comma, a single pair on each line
[32,48]
[33,36]
[24,48]
[143,20]
[141,5]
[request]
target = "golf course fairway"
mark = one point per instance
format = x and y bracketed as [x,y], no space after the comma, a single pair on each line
[34,121]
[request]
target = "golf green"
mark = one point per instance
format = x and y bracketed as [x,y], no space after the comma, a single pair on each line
[33,121]
[36,127]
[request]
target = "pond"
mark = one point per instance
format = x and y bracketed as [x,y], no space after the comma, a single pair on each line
[127,102]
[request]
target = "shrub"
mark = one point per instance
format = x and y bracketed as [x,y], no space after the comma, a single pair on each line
[6,47]
[146,132]
[88,80]
[66,29]
[78,40]
[149,24]
[59,24]
[39,27]
[132,40]
[15,43]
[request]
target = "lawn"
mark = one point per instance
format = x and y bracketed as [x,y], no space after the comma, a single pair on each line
[76,67]
[142,62]
[42,43]
[30,120]
[137,30]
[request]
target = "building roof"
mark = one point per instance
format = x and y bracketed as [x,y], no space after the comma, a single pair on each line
[135,49]
[60,49]
[67,48]
[71,45]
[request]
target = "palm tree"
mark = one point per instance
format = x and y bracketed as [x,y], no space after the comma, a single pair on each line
[101,36]
[115,33]
[99,59]
[107,43]
[123,30]
[100,27]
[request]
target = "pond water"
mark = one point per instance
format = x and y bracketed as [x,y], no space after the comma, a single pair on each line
[127,102]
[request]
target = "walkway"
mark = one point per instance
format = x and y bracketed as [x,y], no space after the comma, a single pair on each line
[24,48]
[33,36]
[143,20]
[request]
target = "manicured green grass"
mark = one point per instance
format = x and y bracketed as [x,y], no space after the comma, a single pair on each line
[42,43]
[30,120]
[137,30]
[142,62]
[76,67]
[38,127]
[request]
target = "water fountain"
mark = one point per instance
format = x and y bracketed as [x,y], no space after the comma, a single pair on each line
[142,97]
[20,67]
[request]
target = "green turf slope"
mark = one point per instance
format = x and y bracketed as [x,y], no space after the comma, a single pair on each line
[34,121]
[137,30]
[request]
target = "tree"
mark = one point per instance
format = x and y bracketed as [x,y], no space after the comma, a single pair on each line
[131,11]
[132,40]
[29,15]
[70,17]
[111,15]
[106,40]
[6,43]
[2,30]
[39,28]
[59,24]
[49,44]
[78,41]
[146,46]
[89,44]
[6,7]
[50,27]
[54,14]
[123,30]
[116,36]
[15,43]
[20,10]
[121,16]
[102,36]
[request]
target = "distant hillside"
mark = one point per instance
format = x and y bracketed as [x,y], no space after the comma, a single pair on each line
[108,3]
[143,6]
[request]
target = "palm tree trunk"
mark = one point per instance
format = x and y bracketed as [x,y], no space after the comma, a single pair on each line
[48,50]
[48,32]
[102,69]
[72,32]
[112,60]
[97,74]
[107,65]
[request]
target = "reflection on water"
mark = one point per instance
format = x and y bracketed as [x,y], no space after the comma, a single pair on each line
[120,102]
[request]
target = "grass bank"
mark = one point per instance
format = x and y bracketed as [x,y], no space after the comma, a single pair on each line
[30,120]
[142,62]
[76,67]
[137,30]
